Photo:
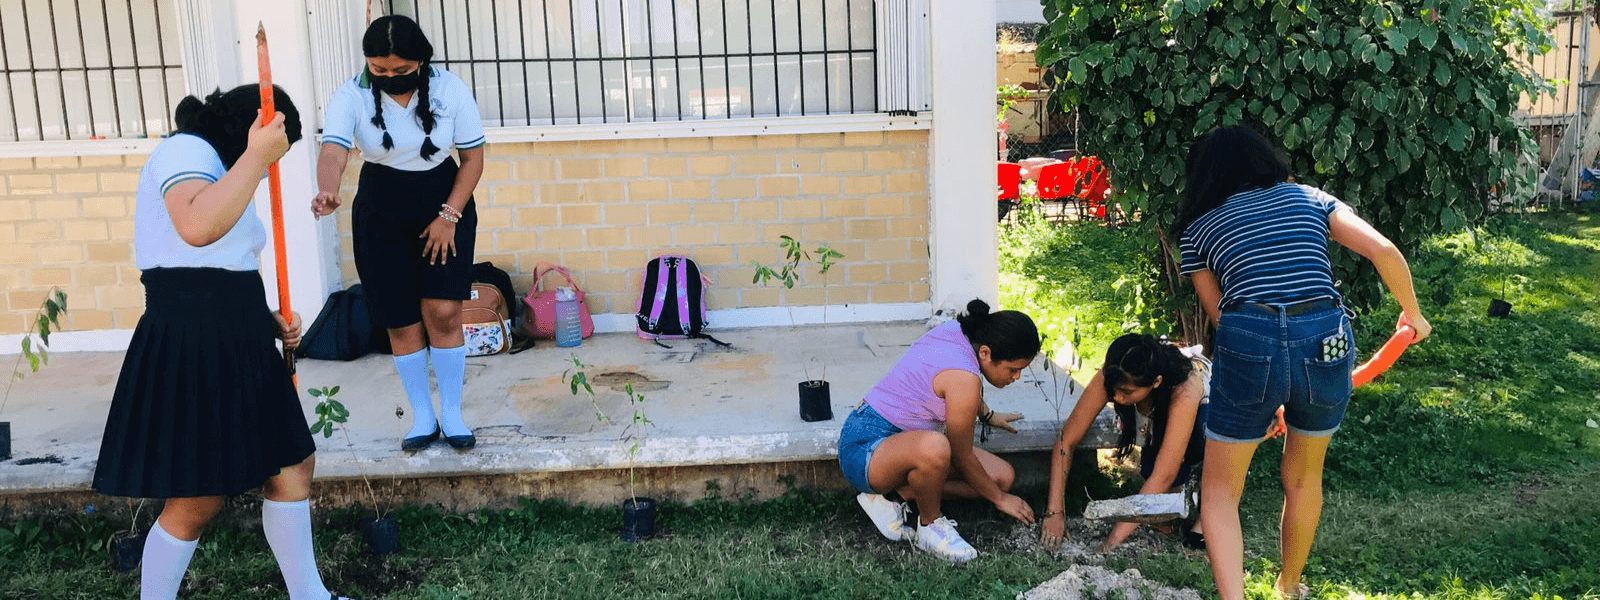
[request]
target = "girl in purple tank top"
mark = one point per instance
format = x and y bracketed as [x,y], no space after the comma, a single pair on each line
[911,440]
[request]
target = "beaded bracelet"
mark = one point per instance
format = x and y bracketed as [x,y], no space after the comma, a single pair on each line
[448,218]
[446,208]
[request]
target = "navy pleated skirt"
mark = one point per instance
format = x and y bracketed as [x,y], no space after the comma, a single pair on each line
[204,405]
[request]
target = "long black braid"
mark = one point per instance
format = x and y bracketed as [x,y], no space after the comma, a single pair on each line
[381,40]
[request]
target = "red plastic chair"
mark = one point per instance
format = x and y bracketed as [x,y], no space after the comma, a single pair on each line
[1009,188]
[1096,186]
[1059,182]
[1010,180]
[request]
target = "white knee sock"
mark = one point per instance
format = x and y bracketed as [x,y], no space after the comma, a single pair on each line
[288,529]
[413,370]
[166,559]
[450,368]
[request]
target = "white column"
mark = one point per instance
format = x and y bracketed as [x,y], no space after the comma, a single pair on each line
[962,170]
[311,244]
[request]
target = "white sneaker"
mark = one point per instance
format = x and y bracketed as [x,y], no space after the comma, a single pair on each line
[940,539]
[889,516]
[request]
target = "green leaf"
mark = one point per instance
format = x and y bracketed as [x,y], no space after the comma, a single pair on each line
[315,392]
[1427,36]
[333,391]
[1441,72]
[1384,62]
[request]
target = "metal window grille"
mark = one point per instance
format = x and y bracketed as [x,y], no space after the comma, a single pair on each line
[560,62]
[88,69]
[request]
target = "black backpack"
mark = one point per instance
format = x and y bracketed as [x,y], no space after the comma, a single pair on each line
[486,272]
[344,330]
[672,302]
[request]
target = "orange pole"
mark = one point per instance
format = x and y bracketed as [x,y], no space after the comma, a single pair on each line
[275,186]
[1387,354]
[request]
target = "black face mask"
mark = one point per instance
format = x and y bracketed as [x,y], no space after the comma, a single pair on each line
[396,85]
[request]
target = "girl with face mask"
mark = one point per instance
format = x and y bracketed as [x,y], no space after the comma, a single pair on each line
[415,220]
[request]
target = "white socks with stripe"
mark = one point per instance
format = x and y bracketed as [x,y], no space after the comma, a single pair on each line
[288,529]
[166,559]
[450,368]
[413,369]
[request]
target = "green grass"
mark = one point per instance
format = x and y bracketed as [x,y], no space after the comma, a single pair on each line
[1467,471]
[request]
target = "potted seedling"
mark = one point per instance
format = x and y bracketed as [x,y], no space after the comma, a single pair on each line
[46,321]
[127,547]
[816,402]
[382,532]
[638,514]
[1500,308]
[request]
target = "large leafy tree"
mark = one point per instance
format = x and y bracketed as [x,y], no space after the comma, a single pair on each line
[1403,109]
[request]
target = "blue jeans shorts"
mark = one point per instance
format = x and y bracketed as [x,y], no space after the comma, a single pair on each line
[863,430]
[1291,356]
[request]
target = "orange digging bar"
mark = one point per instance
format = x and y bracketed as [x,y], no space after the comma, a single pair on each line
[275,186]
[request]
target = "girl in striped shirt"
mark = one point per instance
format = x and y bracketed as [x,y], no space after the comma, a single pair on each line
[1256,247]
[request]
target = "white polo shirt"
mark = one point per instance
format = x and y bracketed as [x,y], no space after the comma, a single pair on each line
[457,123]
[156,243]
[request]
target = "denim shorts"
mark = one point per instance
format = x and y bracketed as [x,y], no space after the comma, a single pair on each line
[862,433]
[1271,356]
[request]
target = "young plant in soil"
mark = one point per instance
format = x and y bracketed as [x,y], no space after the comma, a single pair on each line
[46,320]
[815,399]
[382,533]
[638,514]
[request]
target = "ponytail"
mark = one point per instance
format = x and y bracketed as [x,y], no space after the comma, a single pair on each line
[223,119]
[1009,334]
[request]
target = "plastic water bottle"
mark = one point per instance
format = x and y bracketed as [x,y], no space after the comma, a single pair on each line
[569,326]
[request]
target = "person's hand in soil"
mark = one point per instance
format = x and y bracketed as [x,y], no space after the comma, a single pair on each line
[1053,531]
[1016,508]
[1004,420]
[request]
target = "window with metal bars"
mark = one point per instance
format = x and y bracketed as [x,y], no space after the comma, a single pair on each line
[88,69]
[566,62]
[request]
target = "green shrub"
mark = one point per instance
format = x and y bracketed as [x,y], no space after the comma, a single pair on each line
[1402,109]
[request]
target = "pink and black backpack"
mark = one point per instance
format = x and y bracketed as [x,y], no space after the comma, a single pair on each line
[672,301]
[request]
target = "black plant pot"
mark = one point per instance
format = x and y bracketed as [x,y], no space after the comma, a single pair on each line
[816,404]
[1499,309]
[126,550]
[382,535]
[638,519]
[5,440]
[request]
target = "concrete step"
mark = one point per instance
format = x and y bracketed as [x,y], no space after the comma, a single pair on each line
[713,410]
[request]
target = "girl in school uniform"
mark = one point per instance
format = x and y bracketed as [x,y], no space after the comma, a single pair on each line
[1255,245]
[204,407]
[415,221]
[910,440]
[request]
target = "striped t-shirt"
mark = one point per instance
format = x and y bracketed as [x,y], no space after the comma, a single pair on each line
[1267,245]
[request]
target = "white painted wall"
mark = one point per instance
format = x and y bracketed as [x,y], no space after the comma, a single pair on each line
[311,243]
[1019,11]
[962,174]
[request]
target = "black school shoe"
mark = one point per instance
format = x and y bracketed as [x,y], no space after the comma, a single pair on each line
[461,442]
[413,444]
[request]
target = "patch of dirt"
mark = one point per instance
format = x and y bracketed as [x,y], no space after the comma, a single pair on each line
[49,459]
[619,380]
[1089,581]
[1527,491]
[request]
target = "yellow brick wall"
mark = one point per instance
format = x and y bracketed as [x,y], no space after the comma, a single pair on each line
[67,222]
[604,208]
